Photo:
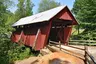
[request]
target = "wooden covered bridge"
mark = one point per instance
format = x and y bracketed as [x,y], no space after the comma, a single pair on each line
[35,31]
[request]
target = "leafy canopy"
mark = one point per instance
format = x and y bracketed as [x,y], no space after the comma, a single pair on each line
[85,13]
[24,9]
[47,4]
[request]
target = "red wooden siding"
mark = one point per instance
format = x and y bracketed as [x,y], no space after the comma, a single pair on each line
[66,15]
[29,34]
[43,36]
[61,35]
[16,35]
[67,33]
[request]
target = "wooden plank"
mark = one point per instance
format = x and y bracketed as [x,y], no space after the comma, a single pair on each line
[75,47]
[82,41]
[79,43]
[34,44]
[60,45]
[54,42]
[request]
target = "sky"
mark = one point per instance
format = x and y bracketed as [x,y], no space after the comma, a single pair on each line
[69,3]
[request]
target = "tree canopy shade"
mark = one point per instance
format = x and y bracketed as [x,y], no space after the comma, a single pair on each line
[85,12]
[47,4]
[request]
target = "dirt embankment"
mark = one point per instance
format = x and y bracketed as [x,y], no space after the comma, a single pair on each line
[91,49]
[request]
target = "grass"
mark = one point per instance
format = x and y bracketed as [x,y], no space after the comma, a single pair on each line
[75,32]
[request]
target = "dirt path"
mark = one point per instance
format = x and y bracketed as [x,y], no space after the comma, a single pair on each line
[53,58]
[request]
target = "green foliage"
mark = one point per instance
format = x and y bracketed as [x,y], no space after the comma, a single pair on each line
[85,10]
[29,6]
[47,4]
[10,51]
[24,9]
[18,53]
[20,12]
[4,45]
[85,13]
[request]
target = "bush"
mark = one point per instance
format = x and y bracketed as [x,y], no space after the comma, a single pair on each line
[19,52]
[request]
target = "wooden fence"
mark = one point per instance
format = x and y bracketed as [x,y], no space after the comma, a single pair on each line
[88,58]
[83,42]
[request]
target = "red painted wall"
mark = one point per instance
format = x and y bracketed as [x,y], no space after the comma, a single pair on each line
[28,36]
[67,33]
[16,35]
[43,36]
[66,15]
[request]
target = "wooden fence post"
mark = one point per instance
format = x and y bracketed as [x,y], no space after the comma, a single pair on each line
[86,49]
[60,45]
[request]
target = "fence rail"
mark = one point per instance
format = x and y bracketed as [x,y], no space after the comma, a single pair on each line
[83,42]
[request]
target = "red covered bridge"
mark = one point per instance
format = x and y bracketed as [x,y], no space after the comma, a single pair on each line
[35,31]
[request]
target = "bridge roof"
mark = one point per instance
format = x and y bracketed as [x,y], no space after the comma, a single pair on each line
[40,17]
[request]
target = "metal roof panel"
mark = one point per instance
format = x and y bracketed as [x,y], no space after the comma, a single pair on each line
[40,17]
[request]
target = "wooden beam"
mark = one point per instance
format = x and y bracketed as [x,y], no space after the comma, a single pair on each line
[82,40]
[34,44]
[60,45]
[76,47]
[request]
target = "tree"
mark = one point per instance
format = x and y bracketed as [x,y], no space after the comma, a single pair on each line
[29,7]
[4,31]
[85,13]
[24,9]
[2,11]
[20,12]
[47,4]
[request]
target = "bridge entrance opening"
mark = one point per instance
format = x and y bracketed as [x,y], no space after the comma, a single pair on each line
[57,30]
